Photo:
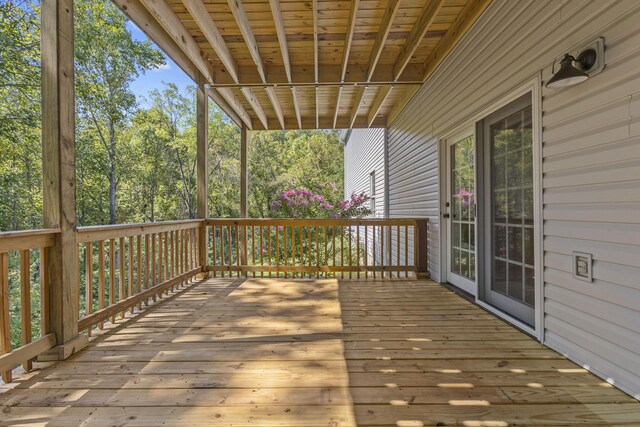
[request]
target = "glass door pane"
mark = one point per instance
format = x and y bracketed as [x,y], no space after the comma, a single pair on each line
[511,165]
[463,208]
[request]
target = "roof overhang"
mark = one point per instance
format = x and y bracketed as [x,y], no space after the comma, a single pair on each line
[319,64]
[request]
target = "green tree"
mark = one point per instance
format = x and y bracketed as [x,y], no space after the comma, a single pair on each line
[107,60]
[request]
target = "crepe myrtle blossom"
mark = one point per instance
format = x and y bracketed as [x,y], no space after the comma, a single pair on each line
[303,203]
[465,197]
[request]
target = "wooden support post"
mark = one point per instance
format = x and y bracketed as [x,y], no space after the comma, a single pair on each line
[244,181]
[420,243]
[244,191]
[59,175]
[203,170]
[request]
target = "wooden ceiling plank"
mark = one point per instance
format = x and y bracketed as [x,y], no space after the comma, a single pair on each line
[383,32]
[211,32]
[422,25]
[316,60]
[255,105]
[381,96]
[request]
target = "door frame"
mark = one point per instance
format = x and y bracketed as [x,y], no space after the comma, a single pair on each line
[533,85]
[459,133]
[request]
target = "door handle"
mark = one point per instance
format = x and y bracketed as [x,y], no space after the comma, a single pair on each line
[445,215]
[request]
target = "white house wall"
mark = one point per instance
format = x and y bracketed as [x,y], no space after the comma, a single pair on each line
[591,163]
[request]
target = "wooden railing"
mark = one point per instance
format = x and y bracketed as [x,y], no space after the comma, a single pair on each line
[124,266]
[302,248]
[23,256]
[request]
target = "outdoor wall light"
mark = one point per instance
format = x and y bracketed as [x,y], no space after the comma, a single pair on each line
[569,74]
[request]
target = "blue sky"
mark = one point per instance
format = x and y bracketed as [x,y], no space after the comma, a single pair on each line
[169,73]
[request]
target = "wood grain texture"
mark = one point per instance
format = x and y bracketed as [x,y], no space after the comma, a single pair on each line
[285,352]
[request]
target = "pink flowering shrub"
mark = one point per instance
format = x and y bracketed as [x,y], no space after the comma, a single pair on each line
[302,203]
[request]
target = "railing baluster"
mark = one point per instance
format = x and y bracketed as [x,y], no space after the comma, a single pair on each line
[261,252]
[44,291]
[358,249]
[341,251]
[147,264]
[406,250]
[317,251]
[366,251]
[131,266]
[277,232]
[154,263]
[373,249]
[285,252]
[25,302]
[382,254]
[309,244]
[398,249]
[350,253]
[326,250]
[139,267]
[88,302]
[238,249]
[253,249]
[112,275]
[167,262]
[101,278]
[230,245]
[214,250]
[121,271]
[5,317]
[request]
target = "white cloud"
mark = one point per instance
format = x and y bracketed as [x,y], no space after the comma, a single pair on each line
[163,67]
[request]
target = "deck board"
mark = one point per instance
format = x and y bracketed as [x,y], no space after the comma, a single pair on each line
[275,352]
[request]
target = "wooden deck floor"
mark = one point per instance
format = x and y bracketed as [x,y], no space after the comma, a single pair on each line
[268,352]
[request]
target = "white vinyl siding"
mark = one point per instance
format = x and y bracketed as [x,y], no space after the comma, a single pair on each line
[364,155]
[591,163]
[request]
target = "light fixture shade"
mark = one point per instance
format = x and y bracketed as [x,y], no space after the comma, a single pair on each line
[567,75]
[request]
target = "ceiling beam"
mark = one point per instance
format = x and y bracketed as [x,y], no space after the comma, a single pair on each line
[284,50]
[296,106]
[273,98]
[325,123]
[469,14]
[348,40]
[328,74]
[245,29]
[422,25]
[356,104]
[148,24]
[210,30]
[316,60]
[230,99]
[383,32]
[249,93]
[378,101]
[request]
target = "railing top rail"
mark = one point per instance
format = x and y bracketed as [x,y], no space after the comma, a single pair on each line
[313,222]
[28,239]
[106,232]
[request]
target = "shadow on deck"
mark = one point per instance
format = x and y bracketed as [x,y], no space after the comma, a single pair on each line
[277,352]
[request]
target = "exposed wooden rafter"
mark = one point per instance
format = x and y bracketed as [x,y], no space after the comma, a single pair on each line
[211,32]
[316,61]
[383,32]
[284,50]
[422,25]
[356,104]
[381,96]
[348,39]
[245,29]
